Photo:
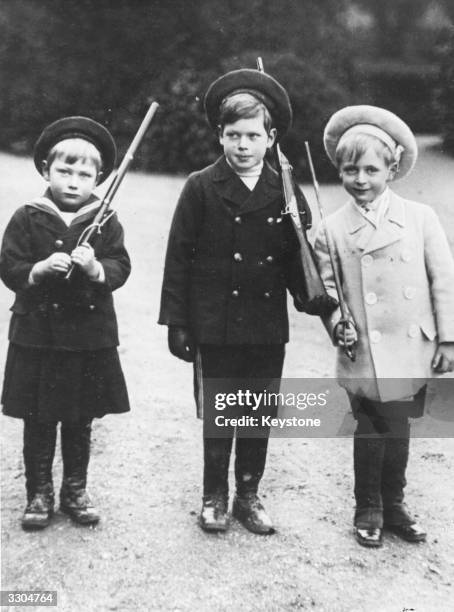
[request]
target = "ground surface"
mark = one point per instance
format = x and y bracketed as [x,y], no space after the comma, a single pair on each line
[145,474]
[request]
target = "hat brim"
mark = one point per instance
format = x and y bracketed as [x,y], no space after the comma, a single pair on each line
[77,127]
[349,116]
[262,85]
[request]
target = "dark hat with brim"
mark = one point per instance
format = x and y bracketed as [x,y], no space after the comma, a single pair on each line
[77,127]
[262,86]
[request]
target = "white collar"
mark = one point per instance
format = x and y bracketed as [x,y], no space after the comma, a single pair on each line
[67,217]
[254,171]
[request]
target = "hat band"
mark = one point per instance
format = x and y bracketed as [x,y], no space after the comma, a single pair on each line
[372,130]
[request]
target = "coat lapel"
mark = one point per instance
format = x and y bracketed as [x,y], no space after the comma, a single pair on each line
[231,188]
[391,228]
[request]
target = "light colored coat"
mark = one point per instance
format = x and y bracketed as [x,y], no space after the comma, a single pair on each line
[398,282]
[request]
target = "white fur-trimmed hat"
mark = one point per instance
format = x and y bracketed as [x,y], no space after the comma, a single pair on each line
[378,122]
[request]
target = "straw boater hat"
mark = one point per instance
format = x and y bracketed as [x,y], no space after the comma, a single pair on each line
[375,121]
[262,86]
[77,127]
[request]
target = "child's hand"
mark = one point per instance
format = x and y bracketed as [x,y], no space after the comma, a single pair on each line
[443,360]
[57,263]
[345,334]
[84,257]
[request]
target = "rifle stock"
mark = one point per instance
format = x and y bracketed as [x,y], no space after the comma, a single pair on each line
[316,299]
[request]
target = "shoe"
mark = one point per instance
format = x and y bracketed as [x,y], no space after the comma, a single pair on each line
[250,512]
[410,533]
[78,506]
[214,515]
[38,512]
[371,538]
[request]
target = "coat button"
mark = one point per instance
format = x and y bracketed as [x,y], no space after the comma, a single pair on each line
[270,220]
[413,330]
[405,255]
[267,295]
[237,220]
[409,293]
[367,260]
[375,336]
[91,307]
[371,298]
[279,220]
[270,259]
[235,293]
[55,306]
[58,244]
[238,257]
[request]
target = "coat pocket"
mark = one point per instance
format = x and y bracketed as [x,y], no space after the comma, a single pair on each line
[428,329]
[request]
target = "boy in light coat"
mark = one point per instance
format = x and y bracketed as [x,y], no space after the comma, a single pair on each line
[397,275]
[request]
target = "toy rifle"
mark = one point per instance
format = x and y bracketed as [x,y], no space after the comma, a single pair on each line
[345,321]
[104,213]
[316,299]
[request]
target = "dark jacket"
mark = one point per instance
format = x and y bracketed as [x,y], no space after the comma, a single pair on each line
[231,256]
[72,315]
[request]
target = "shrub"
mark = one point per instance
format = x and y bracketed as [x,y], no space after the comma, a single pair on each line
[446,98]
[182,140]
[408,90]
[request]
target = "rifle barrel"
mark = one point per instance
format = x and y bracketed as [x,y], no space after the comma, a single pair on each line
[115,184]
[337,281]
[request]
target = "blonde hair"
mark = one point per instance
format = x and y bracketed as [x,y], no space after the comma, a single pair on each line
[71,150]
[353,147]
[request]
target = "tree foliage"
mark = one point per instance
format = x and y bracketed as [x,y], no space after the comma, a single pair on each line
[106,58]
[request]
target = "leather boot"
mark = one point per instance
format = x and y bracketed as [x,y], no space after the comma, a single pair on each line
[396,515]
[74,499]
[249,467]
[368,453]
[214,514]
[39,451]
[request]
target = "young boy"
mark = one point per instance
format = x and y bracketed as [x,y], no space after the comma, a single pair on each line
[62,363]
[231,255]
[397,276]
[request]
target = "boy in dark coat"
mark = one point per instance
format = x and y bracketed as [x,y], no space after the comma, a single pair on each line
[231,257]
[62,363]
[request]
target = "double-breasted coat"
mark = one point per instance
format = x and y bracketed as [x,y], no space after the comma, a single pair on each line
[75,315]
[398,282]
[231,257]
[62,362]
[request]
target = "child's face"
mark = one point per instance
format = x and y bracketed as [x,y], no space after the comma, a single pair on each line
[366,178]
[245,142]
[71,184]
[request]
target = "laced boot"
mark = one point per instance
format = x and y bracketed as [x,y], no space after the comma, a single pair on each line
[249,510]
[74,499]
[396,516]
[39,450]
[214,515]
[368,461]
[249,467]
